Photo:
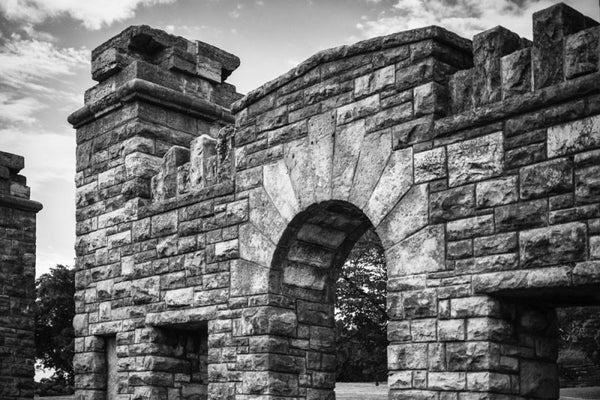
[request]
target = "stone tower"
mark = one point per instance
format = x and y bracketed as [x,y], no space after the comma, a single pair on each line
[17,281]
[211,227]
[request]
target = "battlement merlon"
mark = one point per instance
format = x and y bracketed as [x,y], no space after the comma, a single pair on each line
[142,42]
[14,192]
[164,69]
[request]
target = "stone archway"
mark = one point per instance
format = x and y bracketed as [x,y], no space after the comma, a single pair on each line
[476,163]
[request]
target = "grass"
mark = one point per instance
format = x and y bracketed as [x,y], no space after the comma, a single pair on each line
[368,391]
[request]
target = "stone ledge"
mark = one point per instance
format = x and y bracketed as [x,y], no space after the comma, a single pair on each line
[19,203]
[139,89]
[543,98]
[366,46]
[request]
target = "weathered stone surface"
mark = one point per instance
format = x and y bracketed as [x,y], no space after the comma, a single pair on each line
[587,178]
[553,245]
[407,217]
[581,53]
[521,215]
[348,143]
[394,182]
[321,132]
[573,136]
[495,244]
[371,163]
[430,165]
[229,269]
[255,246]
[475,159]
[470,227]
[516,73]
[545,179]
[488,48]
[248,278]
[496,192]
[452,204]
[550,27]
[278,185]
[419,253]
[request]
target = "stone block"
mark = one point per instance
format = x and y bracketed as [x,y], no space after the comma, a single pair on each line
[495,244]
[586,273]
[374,81]
[553,245]
[447,380]
[475,159]
[477,306]
[423,330]
[450,330]
[587,181]
[179,297]
[348,142]
[551,26]
[546,179]
[412,132]
[523,215]
[248,278]
[430,98]
[488,48]
[461,91]
[496,192]
[582,53]
[419,253]
[516,73]
[496,262]
[574,136]
[479,225]
[419,303]
[407,356]
[358,109]
[523,279]
[471,356]
[452,203]
[430,165]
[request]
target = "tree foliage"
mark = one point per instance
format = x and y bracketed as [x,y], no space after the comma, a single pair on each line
[361,318]
[54,334]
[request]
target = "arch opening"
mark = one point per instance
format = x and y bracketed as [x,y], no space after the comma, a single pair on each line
[310,273]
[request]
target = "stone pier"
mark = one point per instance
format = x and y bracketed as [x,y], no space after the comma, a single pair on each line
[17,281]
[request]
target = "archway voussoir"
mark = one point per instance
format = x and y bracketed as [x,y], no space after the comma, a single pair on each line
[277,183]
[395,181]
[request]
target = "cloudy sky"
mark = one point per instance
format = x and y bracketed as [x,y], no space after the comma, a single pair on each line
[44,64]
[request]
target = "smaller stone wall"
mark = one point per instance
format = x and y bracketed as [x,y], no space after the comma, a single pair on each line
[17,281]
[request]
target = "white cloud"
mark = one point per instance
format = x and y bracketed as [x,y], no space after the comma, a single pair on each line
[31,62]
[92,14]
[18,109]
[465,17]
[32,77]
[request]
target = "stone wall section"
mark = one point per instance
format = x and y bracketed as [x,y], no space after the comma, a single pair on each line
[17,280]
[477,169]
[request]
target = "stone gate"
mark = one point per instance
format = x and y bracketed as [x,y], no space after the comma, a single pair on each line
[210,226]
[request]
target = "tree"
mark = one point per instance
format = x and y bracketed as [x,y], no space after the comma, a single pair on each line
[54,334]
[361,317]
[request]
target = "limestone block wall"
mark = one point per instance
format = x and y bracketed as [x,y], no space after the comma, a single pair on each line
[17,280]
[208,245]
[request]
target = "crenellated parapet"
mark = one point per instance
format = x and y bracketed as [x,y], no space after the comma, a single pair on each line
[564,47]
[207,162]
